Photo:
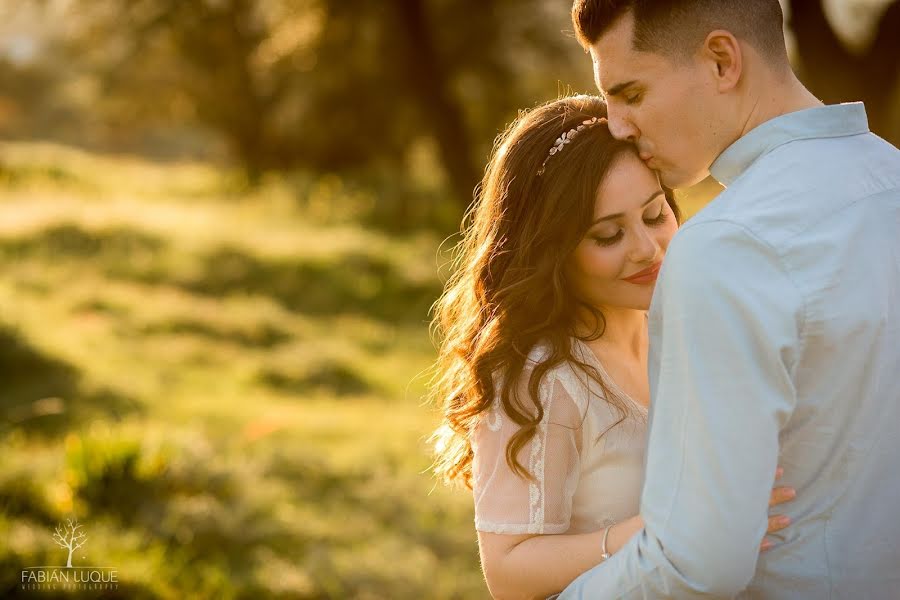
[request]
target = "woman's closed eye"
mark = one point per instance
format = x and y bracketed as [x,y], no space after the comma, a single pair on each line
[661,218]
[656,221]
[611,240]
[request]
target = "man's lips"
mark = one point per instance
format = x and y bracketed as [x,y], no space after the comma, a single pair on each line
[647,159]
[646,276]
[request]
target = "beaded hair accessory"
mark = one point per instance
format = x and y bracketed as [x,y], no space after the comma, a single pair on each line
[567,136]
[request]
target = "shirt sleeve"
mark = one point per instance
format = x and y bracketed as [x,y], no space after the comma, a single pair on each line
[725,326]
[508,503]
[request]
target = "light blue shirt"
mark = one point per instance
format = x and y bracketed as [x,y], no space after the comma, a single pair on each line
[775,339]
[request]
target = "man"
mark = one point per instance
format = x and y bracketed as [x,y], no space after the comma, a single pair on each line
[775,326]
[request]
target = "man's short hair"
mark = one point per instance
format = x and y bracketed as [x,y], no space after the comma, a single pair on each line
[678,27]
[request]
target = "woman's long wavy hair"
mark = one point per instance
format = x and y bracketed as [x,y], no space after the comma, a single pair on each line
[508,290]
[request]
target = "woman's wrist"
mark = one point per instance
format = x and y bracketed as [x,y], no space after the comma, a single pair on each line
[620,533]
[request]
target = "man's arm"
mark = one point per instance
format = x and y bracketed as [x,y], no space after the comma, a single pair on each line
[724,326]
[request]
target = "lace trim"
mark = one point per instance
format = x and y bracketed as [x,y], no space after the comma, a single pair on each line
[494,419]
[536,490]
[575,385]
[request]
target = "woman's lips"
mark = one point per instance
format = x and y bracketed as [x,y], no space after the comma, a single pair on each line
[646,276]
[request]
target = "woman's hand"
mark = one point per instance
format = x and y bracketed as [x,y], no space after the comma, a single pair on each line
[780,495]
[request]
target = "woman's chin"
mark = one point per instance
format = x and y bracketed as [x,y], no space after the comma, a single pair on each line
[641,299]
[633,301]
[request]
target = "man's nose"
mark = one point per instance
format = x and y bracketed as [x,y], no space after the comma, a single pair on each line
[621,128]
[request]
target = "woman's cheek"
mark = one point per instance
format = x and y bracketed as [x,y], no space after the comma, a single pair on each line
[608,262]
[667,234]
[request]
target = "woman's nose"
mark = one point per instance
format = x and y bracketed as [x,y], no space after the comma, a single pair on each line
[645,248]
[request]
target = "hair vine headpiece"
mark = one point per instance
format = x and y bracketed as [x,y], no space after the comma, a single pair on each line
[567,136]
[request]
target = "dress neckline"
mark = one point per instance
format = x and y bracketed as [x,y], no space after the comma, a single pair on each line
[608,379]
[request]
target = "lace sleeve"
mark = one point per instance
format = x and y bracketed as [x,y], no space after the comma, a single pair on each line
[507,503]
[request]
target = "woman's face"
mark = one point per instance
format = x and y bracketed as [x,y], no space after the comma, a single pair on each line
[616,263]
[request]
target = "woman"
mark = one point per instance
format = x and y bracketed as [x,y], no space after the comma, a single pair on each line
[542,370]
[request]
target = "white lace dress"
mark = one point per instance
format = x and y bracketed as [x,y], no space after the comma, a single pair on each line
[588,475]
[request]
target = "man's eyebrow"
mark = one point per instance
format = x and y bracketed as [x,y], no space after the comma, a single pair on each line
[655,195]
[619,88]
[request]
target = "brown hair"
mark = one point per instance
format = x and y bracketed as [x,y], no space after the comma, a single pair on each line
[508,290]
[679,26]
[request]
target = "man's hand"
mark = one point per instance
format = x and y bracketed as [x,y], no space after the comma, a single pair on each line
[780,495]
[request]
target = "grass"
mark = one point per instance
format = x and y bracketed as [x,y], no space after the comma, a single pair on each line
[223,386]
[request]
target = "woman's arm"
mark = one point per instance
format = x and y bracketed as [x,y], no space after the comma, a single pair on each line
[537,566]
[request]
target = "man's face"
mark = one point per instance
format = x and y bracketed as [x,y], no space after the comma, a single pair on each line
[667,106]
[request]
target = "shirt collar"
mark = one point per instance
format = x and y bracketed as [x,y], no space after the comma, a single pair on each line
[821,122]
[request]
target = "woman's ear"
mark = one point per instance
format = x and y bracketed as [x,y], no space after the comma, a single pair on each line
[723,53]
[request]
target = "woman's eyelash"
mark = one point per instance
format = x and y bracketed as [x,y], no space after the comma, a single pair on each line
[655,221]
[609,241]
[663,215]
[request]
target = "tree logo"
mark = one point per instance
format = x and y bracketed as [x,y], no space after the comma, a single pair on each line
[70,536]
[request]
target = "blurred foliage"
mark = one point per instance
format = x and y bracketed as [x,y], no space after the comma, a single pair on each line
[399,89]
[225,393]
[837,73]
[402,96]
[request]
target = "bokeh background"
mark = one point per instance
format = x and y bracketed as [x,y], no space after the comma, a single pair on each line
[222,225]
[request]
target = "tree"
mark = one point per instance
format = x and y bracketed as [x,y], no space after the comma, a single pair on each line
[68,536]
[438,107]
[157,55]
[353,86]
[326,84]
[835,74]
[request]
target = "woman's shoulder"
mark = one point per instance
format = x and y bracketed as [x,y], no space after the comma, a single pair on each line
[567,391]
[574,378]
[539,353]
[562,399]
[561,380]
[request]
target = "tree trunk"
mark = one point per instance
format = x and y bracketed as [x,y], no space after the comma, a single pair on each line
[440,111]
[248,128]
[835,75]
[882,75]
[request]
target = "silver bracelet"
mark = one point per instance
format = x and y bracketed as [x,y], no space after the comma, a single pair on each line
[605,554]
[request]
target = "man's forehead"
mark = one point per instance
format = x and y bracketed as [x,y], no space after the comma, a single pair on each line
[614,57]
[611,71]
[616,42]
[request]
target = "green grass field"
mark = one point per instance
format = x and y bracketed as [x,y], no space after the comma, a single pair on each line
[224,387]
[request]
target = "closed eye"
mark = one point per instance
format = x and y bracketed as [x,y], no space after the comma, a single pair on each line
[610,241]
[632,99]
[656,221]
[659,220]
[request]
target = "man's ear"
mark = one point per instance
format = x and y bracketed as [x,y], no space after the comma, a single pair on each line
[725,57]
